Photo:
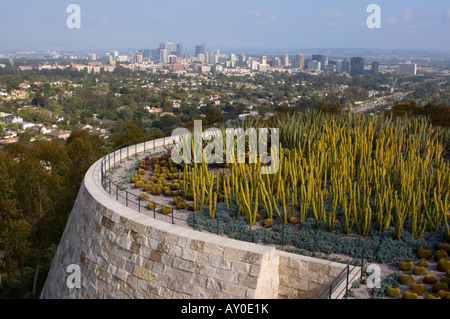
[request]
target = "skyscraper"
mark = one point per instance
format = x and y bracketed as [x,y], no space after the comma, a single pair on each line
[285,60]
[180,50]
[170,47]
[200,49]
[375,67]
[147,53]
[407,69]
[163,56]
[356,66]
[323,59]
[300,61]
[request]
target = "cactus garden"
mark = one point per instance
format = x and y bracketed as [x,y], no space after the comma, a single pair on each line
[344,183]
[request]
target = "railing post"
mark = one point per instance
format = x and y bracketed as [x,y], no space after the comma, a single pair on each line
[139,204]
[331,291]
[126,198]
[172,216]
[346,286]
[117,192]
[154,210]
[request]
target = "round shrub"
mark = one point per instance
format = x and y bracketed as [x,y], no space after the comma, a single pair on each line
[156,191]
[175,181]
[175,187]
[419,271]
[191,208]
[157,170]
[144,196]
[422,263]
[138,176]
[141,171]
[154,179]
[177,199]
[221,198]
[410,295]
[444,246]
[440,286]
[405,265]
[164,176]
[166,209]
[440,254]
[190,197]
[165,188]
[443,294]
[293,220]
[143,180]
[152,206]
[424,252]
[418,288]
[268,223]
[443,264]
[429,279]
[148,187]
[168,193]
[446,279]
[173,169]
[171,176]
[406,279]
[177,193]
[181,205]
[393,292]
[139,184]
[432,296]
[134,180]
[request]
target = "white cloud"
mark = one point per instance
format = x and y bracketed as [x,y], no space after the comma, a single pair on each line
[331,14]
[408,14]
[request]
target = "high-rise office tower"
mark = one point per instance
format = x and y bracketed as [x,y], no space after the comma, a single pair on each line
[300,61]
[356,66]
[242,59]
[323,59]
[346,65]
[92,57]
[170,47]
[115,54]
[180,52]
[375,67]
[200,49]
[147,53]
[233,57]
[285,60]
[138,57]
[210,57]
[162,45]
[163,56]
[264,59]
[340,66]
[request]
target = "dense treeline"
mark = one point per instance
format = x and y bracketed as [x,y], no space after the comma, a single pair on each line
[439,114]
[39,184]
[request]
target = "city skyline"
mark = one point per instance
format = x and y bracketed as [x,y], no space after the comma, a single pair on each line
[105,24]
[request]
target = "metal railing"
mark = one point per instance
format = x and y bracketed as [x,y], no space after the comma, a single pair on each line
[345,276]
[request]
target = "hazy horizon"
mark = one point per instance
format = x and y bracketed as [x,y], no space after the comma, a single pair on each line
[253,24]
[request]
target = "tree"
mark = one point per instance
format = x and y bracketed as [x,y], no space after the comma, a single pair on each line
[127,132]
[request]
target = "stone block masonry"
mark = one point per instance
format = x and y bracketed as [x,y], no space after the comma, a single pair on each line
[124,254]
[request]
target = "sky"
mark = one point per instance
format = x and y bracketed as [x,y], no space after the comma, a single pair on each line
[272,24]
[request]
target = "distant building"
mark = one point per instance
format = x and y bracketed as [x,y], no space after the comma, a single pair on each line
[170,47]
[323,59]
[375,67]
[147,53]
[314,65]
[200,49]
[285,60]
[408,69]
[356,66]
[92,57]
[163,56]
[180,52]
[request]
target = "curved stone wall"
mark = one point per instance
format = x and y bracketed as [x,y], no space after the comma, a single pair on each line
[119,253]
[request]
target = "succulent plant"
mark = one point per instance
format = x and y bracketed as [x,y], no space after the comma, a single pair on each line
[293,220]
[422,263]
[439,285]
[410,295]
[419,271]
[432,296]
[139,184]
[443,264]
[405,265]
[181,205]
[268,223]
[166,210]
[444,246]
[443,294]
[156,191]
[152,206]
[393,292]
[430,279]
[141,172]
[438,255]
[144,196]
[424,252]
[418,288]
[406,279]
